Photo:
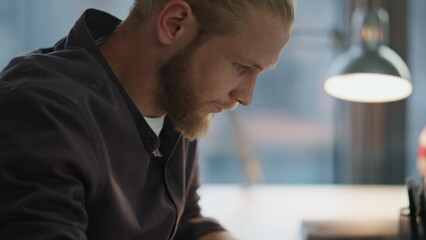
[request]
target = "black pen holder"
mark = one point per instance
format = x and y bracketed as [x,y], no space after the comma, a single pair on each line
[412,219]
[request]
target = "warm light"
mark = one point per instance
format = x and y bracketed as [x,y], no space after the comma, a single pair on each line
[368,87]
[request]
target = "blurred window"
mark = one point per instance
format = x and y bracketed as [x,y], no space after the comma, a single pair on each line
[417,63]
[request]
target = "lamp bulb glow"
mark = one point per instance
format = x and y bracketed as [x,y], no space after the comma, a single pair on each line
[368,87]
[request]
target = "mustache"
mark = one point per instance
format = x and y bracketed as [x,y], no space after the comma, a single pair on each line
[229,106]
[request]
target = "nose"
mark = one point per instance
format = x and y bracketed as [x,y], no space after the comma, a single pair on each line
[244,93]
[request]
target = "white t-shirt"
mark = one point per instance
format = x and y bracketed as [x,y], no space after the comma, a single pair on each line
[156,123]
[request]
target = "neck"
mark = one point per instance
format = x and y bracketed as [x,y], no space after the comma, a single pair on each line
[135,61]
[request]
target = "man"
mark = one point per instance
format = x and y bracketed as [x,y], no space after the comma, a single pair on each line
[98,134]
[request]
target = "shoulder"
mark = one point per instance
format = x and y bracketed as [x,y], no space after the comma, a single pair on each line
[73,74]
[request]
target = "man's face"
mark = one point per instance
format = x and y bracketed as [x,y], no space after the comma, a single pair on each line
[201,82]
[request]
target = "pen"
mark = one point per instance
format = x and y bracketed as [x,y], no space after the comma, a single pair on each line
[422,209]
[413,208]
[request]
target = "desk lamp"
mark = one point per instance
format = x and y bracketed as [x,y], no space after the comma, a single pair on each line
[369,71]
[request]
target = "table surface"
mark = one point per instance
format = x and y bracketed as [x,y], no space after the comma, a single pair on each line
[276,212]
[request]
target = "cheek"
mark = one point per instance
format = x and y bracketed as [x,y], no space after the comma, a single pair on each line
[210,79]
[215,76]
[218,84]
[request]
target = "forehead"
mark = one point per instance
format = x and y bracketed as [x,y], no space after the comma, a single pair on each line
[259,41]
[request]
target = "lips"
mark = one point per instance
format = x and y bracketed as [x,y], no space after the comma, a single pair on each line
[220,107]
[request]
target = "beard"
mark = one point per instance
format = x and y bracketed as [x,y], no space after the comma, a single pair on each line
[182,97]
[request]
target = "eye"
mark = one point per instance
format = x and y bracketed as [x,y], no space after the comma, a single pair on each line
[241,68]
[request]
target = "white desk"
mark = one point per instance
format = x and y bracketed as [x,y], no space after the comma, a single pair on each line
[275,212]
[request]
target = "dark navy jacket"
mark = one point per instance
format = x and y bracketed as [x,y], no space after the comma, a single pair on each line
[76,156]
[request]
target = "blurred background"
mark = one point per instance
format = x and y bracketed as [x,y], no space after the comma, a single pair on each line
[294,133]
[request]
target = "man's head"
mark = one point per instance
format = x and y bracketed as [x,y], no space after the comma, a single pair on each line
[217,50]
[220,17]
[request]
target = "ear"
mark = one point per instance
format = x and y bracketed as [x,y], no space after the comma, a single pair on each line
[173,21]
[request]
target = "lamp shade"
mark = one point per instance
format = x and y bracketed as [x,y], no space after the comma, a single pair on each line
[369,71]
[369,76]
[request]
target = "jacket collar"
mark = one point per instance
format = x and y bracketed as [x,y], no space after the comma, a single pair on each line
[95,24]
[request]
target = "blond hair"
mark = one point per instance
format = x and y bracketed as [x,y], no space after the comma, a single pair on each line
[220,17]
